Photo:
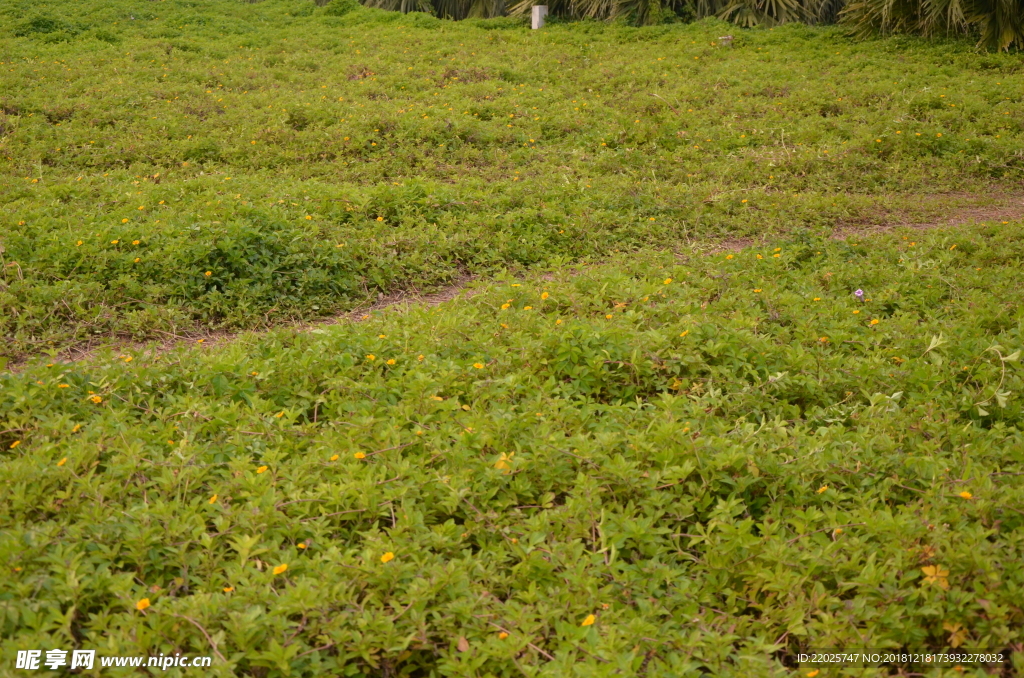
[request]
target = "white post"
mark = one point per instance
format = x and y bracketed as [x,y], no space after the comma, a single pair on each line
[538,14]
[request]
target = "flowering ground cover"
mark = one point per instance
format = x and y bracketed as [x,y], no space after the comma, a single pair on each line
[175,166]
[659,465]
[675,427]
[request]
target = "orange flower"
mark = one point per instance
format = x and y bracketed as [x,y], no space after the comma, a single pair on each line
[589,621]
[387,557]
[142,604]
[280,568]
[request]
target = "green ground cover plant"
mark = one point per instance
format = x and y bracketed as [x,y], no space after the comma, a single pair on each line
[660,465]
[676,428]
[176,165]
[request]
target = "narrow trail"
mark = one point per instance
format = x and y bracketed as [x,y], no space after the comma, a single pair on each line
[1010,207]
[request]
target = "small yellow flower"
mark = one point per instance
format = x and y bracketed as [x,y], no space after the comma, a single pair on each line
[527,308]
[420,358]
[387,557]
[382,336]
[757,289]
[142,604]
[823,340]
[301,546]
[283,567]
[308,216]
[138,259]
[823,488]
[478,366]
[380,218]
[371,357]
[78,244]
[685,332]
[817,298]
[589,621]
[136,242]
[213,500]
[812,674]
[359,455]
[261,469]
[503,462]
[114,242]
[856,312]
[96,399]
[728,256]
[874,321]
[15,444]
[391,361]
[934,574]
[502,636]
[334,457]
[504,306]
[229,589]
[62,461]
[279,414]
[544,295]
[966,495]
[208,274]
[558,321]
[759,256]
[667,281]
[124,221]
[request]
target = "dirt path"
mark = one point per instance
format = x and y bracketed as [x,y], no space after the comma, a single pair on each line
[1005,207]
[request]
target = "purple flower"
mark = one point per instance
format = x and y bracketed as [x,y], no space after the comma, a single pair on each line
[859,294]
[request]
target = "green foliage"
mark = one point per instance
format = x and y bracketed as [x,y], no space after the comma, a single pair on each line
[726,457]
[231,119]
[999,24]
[340,7]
